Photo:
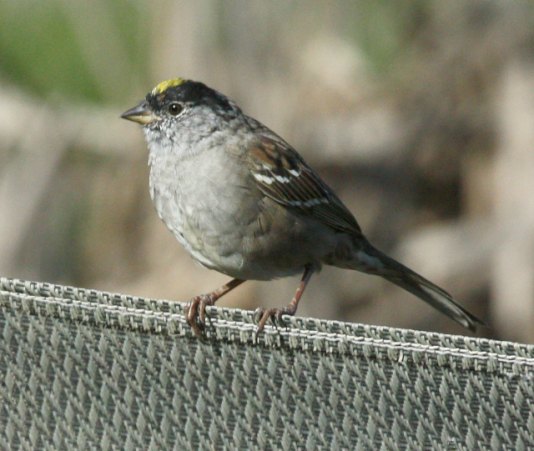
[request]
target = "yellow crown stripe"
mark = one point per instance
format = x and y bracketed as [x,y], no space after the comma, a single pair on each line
[164,85]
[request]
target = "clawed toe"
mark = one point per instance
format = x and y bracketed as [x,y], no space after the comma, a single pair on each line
[258,314]
[196,308]
[196,312]
[274,314]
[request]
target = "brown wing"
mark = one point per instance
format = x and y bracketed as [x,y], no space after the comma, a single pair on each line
[283,175]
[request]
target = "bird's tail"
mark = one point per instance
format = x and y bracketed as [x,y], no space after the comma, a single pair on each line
[412,282]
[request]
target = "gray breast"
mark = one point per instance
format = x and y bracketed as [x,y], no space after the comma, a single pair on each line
[203,201]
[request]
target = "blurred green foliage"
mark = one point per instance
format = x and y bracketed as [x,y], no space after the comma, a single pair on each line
[94,51]
[383,29]
[56,47]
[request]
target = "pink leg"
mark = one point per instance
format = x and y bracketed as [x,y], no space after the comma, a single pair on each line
[291,307]
[196,313]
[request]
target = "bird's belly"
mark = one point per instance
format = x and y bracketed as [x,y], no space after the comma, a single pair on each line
[193,228]
[254,245]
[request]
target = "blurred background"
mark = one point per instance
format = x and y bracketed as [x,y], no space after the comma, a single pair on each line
[420,114]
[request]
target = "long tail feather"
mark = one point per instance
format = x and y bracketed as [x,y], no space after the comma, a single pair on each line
[412,282]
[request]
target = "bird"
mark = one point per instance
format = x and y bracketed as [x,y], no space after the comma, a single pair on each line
[243,202]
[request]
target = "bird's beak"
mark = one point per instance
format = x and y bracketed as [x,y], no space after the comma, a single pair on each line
[142,114]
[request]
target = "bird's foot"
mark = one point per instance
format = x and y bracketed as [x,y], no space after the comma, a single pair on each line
[196,312]
[274,314]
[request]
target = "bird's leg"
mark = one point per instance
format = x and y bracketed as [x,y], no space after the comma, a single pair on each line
[197,305]
[291,308]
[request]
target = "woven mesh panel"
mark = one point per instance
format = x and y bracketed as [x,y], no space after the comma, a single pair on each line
[84,369]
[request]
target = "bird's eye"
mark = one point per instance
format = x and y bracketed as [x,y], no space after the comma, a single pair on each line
[175,108]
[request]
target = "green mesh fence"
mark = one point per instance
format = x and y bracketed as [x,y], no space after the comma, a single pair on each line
[83,369]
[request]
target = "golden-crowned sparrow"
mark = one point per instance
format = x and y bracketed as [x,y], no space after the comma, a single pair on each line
[243,202]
